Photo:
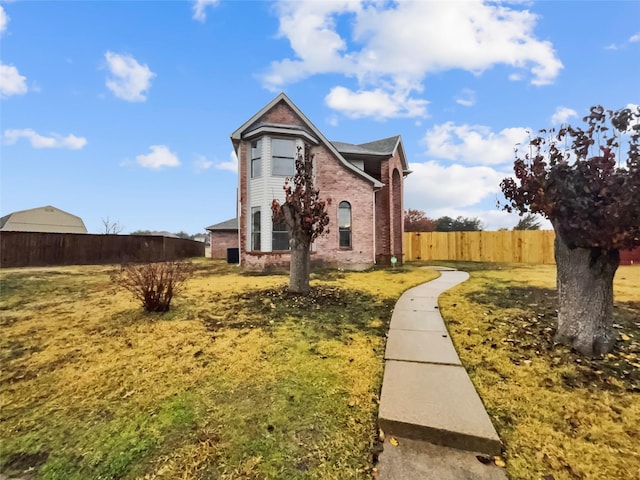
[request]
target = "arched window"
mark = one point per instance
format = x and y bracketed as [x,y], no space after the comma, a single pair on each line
[344,224]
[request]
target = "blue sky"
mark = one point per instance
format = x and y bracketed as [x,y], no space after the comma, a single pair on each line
[124,109]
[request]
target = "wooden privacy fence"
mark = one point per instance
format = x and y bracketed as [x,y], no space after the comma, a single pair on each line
[25,249]
[518,246]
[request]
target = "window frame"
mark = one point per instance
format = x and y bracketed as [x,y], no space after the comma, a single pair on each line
[255,164]
[256,229]
[345,231]
[278,229]
[281,159]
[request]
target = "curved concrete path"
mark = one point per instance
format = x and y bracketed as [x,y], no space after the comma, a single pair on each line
[428,402]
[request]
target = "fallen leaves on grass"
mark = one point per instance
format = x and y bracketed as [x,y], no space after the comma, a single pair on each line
[558,413]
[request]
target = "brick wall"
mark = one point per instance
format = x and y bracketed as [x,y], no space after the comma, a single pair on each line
[243,176]
[389,211]
[340,184]
[281,113]
[220,241]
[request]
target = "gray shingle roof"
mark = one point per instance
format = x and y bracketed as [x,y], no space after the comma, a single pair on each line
[385,146]
[231,224]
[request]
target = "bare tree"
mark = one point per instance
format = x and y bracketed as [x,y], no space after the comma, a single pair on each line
[111,228]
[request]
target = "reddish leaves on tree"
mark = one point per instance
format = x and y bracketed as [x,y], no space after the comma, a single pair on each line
[417,221]
[304,213]
[573,177]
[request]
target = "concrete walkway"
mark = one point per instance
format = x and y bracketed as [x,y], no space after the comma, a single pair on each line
[428,402]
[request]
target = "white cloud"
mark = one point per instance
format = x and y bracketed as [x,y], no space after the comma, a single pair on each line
[375,103]
[40,141]
[435,37]
[231,165]
[474,144]
[458,190]
[434,187]
[562,114]
[497,219]
[201,164]
[611,46]
[11,82]
[634,38]
[199,9]
[333,120]
[4,20]
[129,80]
[159,157]
[467,98]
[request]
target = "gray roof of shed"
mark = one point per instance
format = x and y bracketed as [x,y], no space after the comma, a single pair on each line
[231,224]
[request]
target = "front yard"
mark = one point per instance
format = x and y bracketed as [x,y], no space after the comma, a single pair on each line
[237,381]
[240,380]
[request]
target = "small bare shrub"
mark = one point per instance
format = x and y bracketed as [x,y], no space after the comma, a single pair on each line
[154,283]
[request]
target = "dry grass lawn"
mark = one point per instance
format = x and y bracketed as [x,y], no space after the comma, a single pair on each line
[238,380]
[560,416]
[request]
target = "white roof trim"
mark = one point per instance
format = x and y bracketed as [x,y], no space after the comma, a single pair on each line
[281,131]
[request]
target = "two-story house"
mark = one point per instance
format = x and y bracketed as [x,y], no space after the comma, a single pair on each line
[364,183]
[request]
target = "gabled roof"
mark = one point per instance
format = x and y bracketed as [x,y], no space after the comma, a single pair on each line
[311,130]
[48,208]
[231,224]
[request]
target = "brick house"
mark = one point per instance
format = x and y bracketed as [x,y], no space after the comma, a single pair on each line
[222,236]
[364,183]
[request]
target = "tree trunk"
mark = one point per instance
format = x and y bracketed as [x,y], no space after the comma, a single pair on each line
[585,297]
[300,268]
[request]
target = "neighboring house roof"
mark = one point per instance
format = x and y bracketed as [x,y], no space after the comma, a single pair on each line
[4,220]
[42,219]
[254,126]
[227,225]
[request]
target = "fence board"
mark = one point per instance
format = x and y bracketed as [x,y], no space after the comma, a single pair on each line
[25,249]
[519,246]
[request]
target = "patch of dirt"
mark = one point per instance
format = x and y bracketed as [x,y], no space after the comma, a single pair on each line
[342,311]
[23,462]
[529,334]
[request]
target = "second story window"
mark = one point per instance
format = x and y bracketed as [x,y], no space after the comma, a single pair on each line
[256,159]
[283,157]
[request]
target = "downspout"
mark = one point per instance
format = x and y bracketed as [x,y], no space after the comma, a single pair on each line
[238,206]
[239,219]
[374,226]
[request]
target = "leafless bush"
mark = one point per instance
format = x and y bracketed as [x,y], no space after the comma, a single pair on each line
[154,283]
